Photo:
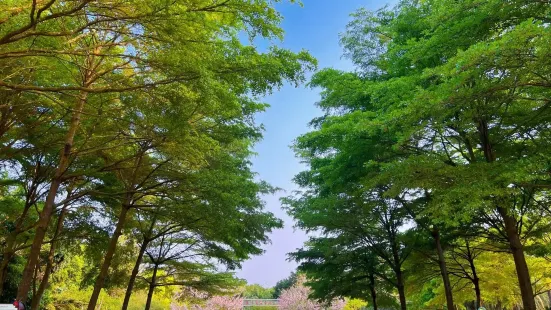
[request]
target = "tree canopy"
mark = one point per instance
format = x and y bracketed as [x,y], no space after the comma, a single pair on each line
[126,134]
[440,134]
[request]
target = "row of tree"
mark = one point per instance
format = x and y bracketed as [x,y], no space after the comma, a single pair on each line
[431,164]
[126,129]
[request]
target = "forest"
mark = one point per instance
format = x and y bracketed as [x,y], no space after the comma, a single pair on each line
[127,130]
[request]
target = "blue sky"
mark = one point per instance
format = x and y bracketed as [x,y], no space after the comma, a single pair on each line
[314,27]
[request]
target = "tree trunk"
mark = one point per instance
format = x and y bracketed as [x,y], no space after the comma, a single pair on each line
[9,249]
[6,257]
[401,289]
[476,283]
[49,266]
[3,272]
[402,295]
[484,133]
[115,238]
[475,280]
[46,214]
[443,269]
[373,291]
[35,278]
[398,271]
[134,274]
[511,228]
[108,257]
[152,286]
[517,249]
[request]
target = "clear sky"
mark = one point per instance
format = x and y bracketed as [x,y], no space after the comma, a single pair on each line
[314,27]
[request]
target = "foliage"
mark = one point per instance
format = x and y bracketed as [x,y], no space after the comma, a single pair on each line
[222,303]
[355,304]
[297,297]
[284,284]
[437,137]
[126,131]
[256,291]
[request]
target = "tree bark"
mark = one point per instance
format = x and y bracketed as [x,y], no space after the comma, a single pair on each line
[46,214]
[35,278]
[476,283]
[475,279]
[401,290]
[9,249]
[134,274]
[100,280]
[6,258]
[443,269]
[3,272]
[152,286]
[398,271]
[517,250]
[50,264]
[484,133]
[373,291]
[511,228]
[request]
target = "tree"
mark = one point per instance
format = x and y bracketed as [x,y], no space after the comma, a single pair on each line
[177,260]
[285,284]
[221,303]
[337,271]
[370,224]
[256,291]
[297,297]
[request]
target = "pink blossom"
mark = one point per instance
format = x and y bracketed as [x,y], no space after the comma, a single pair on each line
[297,298]
[338,304]
[224,303]
[221,303]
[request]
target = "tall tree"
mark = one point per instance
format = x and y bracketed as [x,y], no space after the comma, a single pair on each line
[335,270]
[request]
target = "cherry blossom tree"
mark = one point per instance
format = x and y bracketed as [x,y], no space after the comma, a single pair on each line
[215,303]
[338,304]
[297,298]
[223,303]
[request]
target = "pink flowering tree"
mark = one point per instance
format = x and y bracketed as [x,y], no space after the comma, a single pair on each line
[297,298]
[223,303]
[338,304]
[215,303]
